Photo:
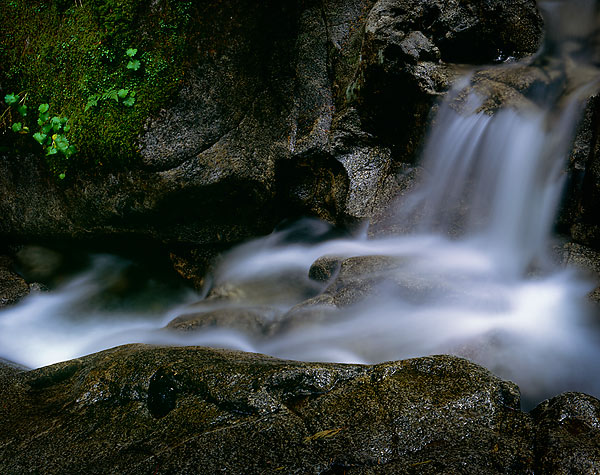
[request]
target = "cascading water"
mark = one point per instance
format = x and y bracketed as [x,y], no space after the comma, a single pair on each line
[474,277]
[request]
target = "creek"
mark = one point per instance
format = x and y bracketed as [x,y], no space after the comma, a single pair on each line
[475,275]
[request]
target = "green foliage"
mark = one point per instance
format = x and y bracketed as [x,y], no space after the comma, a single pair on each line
[113,93]
[74,57]
[11,99]
[134,64]
[51,134]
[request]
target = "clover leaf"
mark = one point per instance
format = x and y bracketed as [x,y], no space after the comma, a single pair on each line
[134,64]
[40,138]
[11,99]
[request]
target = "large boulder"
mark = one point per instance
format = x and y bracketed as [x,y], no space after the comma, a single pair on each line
[139,409]
[266,111]
[142,409]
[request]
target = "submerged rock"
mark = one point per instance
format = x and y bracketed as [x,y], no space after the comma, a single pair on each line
[138,409]
[251,321]
[365,277]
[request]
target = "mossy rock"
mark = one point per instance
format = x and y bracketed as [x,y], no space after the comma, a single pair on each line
[62,53]
[240,120]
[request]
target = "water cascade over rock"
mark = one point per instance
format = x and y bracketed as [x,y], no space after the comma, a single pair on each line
[470,274]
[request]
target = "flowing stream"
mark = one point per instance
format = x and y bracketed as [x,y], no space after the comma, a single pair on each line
[475,275]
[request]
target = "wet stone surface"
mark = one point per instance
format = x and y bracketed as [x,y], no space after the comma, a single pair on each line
[568,434]
[135,408]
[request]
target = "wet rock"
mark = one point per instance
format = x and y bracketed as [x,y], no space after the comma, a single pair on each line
[274,290]
[567,435]
[465,32]
[312,312]
[410,54]
[385,220]
[38,263]
[285,108]
[586,260]
[417,47]
[359,276]
[573,208]
[509,86]
[324,268]
[368,169]
[10,368]
[12,286]
[366,277]
[583,218]
[141,409]
[194,264]
[251,321]
[37,287]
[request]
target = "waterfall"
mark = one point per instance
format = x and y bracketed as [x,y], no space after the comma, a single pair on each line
[474,276]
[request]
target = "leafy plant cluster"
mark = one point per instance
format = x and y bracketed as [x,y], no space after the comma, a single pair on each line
[80,61]
[51,134]
[126,96]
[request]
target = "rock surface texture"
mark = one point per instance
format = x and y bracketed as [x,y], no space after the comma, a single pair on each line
[139,409]
[313,107]
[12,287]
[284,109]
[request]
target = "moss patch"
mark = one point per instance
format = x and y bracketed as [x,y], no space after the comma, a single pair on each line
[62,52]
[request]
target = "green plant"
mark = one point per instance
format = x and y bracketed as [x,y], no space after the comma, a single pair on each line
[80,51]
[126,96]
[133,63]
[51,134]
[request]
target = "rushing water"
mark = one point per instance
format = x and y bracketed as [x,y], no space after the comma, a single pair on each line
[474,277]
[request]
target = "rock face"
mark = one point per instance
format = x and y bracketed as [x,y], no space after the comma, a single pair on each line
[302,108]
[580,217]
[138,409]
[12,287]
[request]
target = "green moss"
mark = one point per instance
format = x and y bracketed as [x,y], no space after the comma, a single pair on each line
[61,52]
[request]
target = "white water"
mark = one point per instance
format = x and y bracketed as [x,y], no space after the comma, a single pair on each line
[474,278]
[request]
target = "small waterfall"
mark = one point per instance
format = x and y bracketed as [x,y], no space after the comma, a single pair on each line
[495,180]
[473,277]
